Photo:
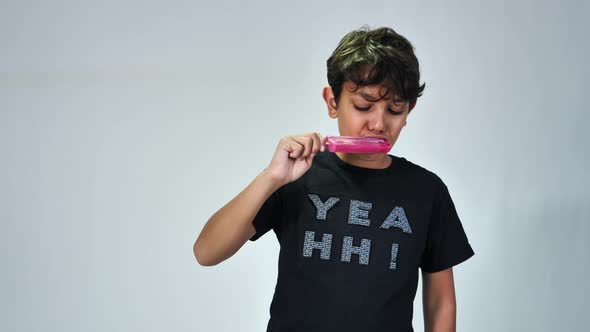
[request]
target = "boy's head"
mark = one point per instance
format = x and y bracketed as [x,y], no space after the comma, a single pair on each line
[374,83]
[380,56]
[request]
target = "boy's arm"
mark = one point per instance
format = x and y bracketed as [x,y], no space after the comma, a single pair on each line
[231,226]
[438,300]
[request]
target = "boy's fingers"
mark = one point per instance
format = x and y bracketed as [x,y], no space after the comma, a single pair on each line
[322,142]
[316,143]
[295,146]
[308,144]
[305,145]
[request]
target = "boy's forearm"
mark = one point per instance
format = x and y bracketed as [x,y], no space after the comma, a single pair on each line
[231,226]
[440,317]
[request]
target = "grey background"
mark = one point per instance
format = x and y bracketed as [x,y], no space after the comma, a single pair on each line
[125,125]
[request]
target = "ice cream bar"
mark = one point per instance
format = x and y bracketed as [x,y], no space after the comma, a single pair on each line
[351,144]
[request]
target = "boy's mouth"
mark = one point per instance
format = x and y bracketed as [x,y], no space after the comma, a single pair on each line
[383,137]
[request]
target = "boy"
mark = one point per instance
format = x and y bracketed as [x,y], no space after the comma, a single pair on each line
[353,228]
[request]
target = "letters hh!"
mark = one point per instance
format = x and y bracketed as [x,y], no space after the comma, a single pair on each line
[358,214]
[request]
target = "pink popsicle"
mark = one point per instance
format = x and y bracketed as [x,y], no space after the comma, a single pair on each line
[349,144]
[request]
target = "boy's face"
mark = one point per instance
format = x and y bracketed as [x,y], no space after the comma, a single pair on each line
[360,116]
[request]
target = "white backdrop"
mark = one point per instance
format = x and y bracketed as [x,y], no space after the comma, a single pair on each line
[124,125]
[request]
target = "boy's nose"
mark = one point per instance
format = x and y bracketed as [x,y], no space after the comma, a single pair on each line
[377,122]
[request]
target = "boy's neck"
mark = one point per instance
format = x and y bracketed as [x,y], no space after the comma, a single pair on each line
[366,160]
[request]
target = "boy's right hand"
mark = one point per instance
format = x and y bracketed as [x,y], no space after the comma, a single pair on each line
[294,156]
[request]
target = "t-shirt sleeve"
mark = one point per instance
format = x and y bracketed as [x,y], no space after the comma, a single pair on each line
[268,215]
[447,244]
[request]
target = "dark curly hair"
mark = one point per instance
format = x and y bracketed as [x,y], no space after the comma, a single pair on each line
[376,56]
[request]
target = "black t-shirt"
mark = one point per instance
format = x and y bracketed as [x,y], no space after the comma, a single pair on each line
[351,242]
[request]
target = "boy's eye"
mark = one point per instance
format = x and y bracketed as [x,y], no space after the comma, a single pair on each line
[362,109]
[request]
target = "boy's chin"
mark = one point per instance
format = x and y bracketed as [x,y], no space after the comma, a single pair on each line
[371,156]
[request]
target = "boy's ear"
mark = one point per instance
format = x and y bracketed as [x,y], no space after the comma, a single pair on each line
[412,104]
[328,96]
